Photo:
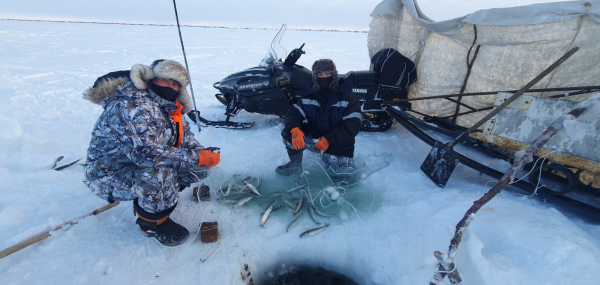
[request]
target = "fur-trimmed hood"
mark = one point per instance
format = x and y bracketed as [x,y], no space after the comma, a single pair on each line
[141,75]
[322,65]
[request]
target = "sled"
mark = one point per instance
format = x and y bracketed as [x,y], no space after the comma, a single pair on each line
[469,66]
[442,159]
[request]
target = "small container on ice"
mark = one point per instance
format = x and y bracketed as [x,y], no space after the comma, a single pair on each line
[201,193]
[209,232]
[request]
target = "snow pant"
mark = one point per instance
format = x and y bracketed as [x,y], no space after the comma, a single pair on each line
[339,164]
[156,189]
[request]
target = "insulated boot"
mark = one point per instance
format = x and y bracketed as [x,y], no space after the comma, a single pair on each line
[292,167]
[160,227]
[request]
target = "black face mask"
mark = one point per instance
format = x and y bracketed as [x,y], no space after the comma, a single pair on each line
[324,83]
[166,93]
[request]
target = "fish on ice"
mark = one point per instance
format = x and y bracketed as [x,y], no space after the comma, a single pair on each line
[294,223]
[300,203]
[251,187]
[314,231]
[322,214]
[267,213]
[242,201]
[296,188]
[311,209]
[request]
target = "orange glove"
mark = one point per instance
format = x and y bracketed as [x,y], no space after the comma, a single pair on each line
[208,158]
[323,144]
[297,138]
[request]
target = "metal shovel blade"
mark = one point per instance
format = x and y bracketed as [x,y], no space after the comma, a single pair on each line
[440,163]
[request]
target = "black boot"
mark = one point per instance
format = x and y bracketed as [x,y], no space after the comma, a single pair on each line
[292,167]
[160,227]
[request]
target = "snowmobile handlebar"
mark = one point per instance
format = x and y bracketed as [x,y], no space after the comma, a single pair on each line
[293,57]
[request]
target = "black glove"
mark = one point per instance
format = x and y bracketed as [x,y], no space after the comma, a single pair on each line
[293,57]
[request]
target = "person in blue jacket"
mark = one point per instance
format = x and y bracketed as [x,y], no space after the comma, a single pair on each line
[325,119]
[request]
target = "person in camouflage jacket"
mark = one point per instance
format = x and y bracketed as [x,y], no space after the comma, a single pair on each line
[142,148]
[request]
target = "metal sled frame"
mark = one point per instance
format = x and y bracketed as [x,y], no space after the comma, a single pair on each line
[415,126]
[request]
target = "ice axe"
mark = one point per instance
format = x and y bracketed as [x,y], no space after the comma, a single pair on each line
[442,159]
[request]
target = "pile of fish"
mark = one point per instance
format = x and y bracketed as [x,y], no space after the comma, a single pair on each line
[242,189]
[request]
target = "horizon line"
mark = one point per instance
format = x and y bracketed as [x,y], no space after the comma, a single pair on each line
[189,26]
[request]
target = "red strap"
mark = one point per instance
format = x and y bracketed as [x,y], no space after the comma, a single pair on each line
[178,123]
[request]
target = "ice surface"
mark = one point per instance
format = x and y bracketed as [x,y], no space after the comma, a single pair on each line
[46,67]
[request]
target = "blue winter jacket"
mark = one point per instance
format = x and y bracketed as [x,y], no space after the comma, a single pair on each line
[338,119]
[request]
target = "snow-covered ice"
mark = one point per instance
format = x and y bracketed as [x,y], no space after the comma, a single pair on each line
[46,66]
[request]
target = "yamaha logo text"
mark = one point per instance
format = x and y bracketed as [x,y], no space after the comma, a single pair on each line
[253,86]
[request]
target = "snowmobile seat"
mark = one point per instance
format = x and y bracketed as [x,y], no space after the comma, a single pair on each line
[301,78]
[361,78]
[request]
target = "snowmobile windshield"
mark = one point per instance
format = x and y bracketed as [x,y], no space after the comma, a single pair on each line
[276,52]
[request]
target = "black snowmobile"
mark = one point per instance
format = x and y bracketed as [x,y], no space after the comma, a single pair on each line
[275,84]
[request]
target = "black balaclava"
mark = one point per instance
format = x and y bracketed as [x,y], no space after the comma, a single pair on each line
[324,65]
[166,93]
[324,83]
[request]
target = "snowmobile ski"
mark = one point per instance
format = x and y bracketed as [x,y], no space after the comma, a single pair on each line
[219,124]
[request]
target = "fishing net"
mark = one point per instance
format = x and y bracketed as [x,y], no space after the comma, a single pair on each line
[327,195]
[322,192]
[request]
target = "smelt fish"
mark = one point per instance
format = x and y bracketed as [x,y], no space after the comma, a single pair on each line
[275,209]
[304,173]
[229,188]
[311,209]
[277,193]
[251,187]
[250,179]
[322,214]
[288,202]
[296,188]
[242,201]
[314,231]
[294,223]
[226,201]
[300,203]
[267,213]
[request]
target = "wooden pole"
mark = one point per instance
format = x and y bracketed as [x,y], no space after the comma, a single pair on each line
[520,161]
[43,236]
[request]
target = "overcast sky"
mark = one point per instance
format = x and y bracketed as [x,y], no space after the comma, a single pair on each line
[343,14]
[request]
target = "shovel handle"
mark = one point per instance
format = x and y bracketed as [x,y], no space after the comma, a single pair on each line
[515,96]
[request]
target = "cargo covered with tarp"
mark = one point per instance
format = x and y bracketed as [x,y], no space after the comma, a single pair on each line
[497,50]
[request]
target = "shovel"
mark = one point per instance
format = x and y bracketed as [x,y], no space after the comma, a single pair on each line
[442,159]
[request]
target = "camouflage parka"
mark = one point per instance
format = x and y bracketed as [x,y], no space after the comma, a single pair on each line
[137,130]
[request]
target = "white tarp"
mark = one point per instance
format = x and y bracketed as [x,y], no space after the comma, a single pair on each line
[516,44]
[523,15]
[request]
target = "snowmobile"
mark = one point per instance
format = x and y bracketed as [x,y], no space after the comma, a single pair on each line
[275,84]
